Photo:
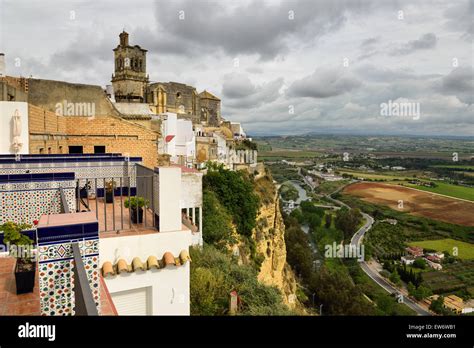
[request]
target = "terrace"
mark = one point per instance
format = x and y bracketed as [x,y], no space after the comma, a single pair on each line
[78,199]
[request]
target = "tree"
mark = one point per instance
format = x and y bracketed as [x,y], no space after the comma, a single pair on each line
[347,221]
[419,263]
[395,278]
[217,222]
[328,220]
[235,192]
[437,305]
[297,214]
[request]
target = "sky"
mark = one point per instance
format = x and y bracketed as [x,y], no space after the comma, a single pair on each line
[280,67]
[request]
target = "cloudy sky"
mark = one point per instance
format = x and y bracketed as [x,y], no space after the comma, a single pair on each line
[280,67]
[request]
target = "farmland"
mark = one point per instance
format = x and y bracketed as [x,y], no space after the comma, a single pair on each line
[415,202]
[448,190]
[465,250]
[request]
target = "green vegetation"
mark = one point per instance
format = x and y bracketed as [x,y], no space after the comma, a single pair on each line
[419,293]
[450,190]
[288,192]
[215,274]
[217,222]
[454,166]
[246,145]
[134,202]
[384,239]
[235,191]
[19,244]
[293,155]
[282,172]
[328,187]
[440,282]
[347,221]
[465,250]
[340,285]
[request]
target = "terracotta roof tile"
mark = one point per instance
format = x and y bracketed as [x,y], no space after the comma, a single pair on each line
[122,266]
[137,264]
[108,269]
[168,259]
[152,262]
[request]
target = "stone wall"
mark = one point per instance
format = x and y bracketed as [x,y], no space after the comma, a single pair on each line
[47,131]
[116,134]
[48,93]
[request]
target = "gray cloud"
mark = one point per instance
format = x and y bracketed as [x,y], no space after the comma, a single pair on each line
[254,27]
[239,91]
[370,41]
[459,18]
[426,41]
[324,84]
[459,82]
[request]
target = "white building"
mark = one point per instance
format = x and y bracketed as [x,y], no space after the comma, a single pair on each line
[237,130]
[178,139]
[149,274]
[407,260]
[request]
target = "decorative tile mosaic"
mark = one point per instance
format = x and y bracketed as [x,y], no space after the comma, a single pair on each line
[107,171]
[56,281]
[56,275]
[25,206]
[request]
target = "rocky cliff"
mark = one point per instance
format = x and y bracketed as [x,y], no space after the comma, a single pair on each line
[269,235]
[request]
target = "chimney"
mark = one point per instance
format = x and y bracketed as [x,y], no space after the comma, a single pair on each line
[2,65]
[123,38]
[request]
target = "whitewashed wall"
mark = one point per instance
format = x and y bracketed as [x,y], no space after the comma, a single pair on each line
[169,286]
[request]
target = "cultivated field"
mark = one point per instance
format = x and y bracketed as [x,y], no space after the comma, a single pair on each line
[415,202]
[448,190]
[465,250]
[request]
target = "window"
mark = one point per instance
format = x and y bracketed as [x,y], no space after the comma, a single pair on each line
[99,149]
[76,149]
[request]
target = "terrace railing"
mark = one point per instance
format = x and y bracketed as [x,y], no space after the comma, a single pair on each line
[107,197]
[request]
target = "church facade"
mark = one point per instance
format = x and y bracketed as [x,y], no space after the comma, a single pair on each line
[130,84]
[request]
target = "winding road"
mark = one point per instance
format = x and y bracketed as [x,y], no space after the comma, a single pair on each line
[373,273]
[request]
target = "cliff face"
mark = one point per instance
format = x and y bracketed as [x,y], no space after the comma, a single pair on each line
[270,242]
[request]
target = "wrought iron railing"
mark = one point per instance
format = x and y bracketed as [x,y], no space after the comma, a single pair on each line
[107,197]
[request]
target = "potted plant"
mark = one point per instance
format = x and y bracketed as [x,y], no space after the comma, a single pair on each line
[136,205]
[109,191]
[20,247]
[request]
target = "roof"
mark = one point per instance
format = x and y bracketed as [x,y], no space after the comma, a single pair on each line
[136,264]
[206,95]
[134,110]
[185,169]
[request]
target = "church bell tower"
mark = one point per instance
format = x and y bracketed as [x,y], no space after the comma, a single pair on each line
[130,79]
